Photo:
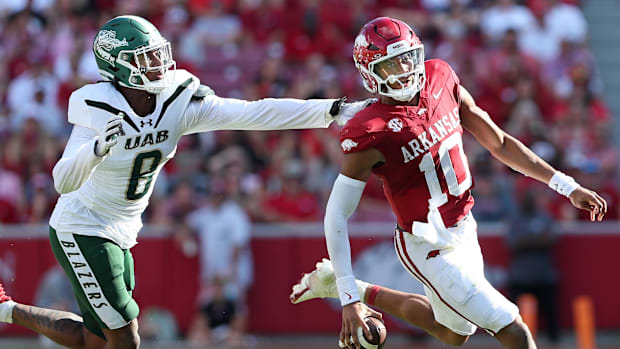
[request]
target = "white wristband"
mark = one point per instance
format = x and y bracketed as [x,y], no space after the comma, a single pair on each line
[347,290]
[563,184]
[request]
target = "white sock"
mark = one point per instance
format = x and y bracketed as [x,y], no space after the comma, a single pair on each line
[361,287]
[6,311]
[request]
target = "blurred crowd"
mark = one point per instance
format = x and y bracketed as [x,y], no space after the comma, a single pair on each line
[533,73]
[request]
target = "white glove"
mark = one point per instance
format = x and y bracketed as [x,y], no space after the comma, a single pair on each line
[343,112]
[108,136]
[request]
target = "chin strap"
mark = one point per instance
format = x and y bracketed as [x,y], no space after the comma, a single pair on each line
[404,99]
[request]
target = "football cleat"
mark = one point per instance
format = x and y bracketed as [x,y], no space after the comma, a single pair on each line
[3,296]
[319,283]
[6,306]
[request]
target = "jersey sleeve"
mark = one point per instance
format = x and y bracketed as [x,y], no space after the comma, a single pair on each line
[357,136]
[215,113]
[77,162]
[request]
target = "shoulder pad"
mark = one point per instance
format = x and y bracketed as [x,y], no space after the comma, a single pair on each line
[78,113]
[366,121]
[202,92]
[438,71]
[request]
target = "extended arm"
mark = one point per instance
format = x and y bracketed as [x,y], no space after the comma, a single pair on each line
[77,162]
[215,113]
[515,154]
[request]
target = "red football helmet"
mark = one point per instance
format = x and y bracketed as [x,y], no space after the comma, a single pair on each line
[390,58]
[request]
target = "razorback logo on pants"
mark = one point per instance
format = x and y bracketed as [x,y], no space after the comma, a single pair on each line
[433,253]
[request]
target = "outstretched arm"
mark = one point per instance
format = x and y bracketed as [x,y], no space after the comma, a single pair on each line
[515,154]
[343,201]
[215,113]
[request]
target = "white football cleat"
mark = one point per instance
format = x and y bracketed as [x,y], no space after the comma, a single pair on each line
[319,283]
[6,306]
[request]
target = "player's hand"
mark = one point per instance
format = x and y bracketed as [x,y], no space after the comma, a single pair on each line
[589,200]
[353,316]
[343,112]
[108,136]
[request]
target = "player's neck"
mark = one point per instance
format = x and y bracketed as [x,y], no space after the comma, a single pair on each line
[142,102]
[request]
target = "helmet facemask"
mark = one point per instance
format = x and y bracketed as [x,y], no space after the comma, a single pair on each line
[399,74]
[402,68]
[153,60]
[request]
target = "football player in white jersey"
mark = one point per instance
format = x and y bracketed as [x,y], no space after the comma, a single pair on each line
[125,129]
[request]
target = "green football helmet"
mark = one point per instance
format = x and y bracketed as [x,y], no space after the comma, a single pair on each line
[131,50]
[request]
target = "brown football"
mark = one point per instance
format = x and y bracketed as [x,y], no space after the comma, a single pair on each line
[378,331]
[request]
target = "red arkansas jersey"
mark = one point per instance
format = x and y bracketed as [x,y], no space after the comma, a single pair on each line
[425,165]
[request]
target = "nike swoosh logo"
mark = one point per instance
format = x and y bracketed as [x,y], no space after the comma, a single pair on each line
[347,293]
[436,96]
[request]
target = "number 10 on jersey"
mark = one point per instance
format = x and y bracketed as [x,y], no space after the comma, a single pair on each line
[447,160]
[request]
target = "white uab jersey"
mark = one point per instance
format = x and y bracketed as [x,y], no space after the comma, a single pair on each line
[106,196]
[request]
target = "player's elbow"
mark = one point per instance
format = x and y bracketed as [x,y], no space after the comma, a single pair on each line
[61,182]
[61,187]
[334,220]
[336,212]
[495,143]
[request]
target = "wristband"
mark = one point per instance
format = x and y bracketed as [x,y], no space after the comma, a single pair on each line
[347,290]
[563,184]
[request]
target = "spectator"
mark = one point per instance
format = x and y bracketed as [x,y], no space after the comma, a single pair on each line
[560,13]
[505,15]
[226,262]
[531,242]
[182,202]
[560,72]
[55,292]
[218,320]
[493,200]
[158,325]
[293,202]
[534,75]
[538,41]
[33,95]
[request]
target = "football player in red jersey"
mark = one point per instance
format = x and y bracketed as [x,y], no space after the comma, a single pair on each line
[411,139]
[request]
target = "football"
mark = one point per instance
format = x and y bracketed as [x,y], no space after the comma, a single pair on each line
[378,331]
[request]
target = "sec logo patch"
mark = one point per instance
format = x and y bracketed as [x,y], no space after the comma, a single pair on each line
[396,125]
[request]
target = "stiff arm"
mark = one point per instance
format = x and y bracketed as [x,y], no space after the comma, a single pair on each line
[215,113]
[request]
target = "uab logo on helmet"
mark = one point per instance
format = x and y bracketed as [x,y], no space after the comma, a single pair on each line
[105,42]
[132,52]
